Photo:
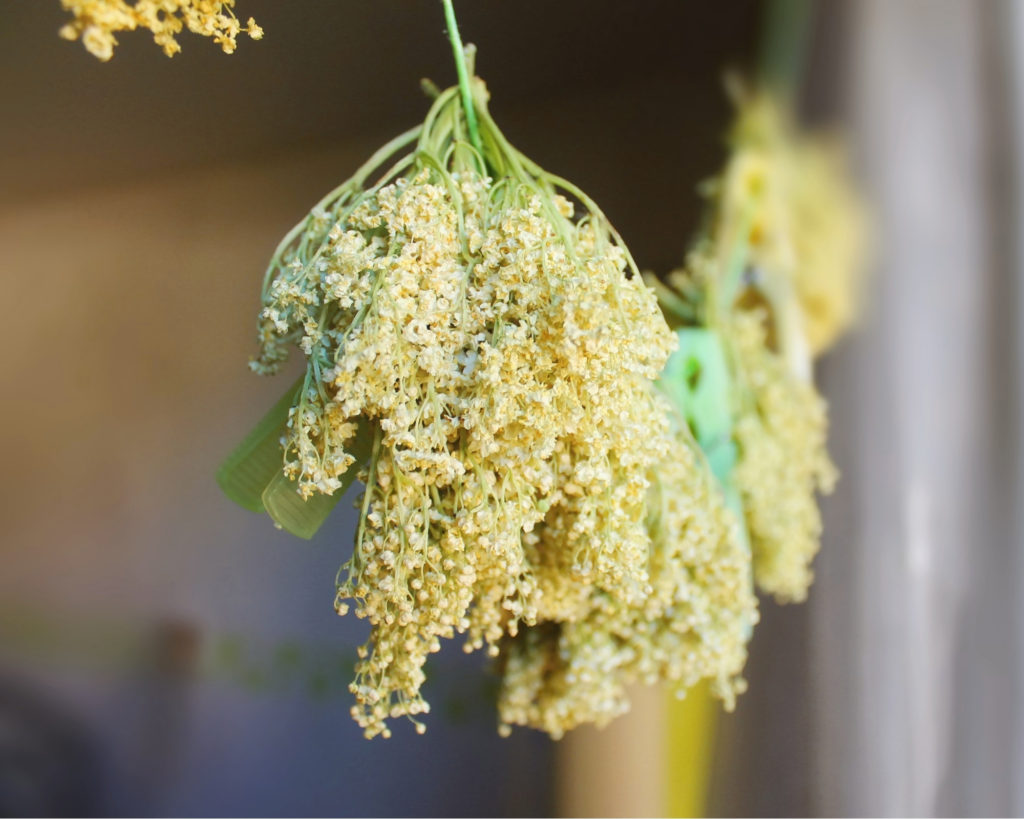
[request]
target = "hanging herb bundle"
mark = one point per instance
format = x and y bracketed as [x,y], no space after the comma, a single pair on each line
[806,223]
[491,355]
[95,23]
[772,282]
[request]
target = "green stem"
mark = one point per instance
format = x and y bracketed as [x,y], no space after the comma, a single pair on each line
[735,266]
[784,44]
[670,301]
[460,69]
[788,321]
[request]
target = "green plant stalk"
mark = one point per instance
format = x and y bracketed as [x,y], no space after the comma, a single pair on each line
[460,69]
[784,45]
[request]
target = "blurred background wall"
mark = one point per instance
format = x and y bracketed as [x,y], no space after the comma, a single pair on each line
[916,644]
[162,651]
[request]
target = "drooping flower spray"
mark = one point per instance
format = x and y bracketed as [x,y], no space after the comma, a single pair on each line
[693,625]
[481,349]
[771,283]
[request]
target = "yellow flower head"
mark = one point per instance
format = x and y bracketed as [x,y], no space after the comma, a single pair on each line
[503,350]
[97,21]
[778,420]
[776,278]
[780,431]
[693,624]
[790,195]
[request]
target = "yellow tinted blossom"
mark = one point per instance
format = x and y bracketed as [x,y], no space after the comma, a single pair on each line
[503,350]
[780,430]
[779,420]
[791,195]
[96,22]
[775,278]
[693,625]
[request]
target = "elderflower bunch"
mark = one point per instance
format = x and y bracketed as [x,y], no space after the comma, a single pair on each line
[774,281]
[791,193]
[96,21]
[501,349]
[776,460]
[693,625]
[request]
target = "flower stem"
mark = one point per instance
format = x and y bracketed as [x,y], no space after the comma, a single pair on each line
[460,69]
[784,44]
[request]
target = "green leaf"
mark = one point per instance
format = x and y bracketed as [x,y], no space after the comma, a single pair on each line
[246,472]
[301,517]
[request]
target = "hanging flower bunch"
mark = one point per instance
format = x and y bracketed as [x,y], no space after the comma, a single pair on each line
[549,470]
[773,281]
[96,22]
[481,350]
[805,221]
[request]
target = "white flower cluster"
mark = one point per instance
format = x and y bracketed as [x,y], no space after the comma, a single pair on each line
[783,464]
[693,624]
[789,194]
[776,277]
[504,353]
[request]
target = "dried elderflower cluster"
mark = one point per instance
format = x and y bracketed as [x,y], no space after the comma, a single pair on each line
[96,22]
[783,463]
[692,625]
[790,192]
[775,280]
[503,351]
[779,421]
